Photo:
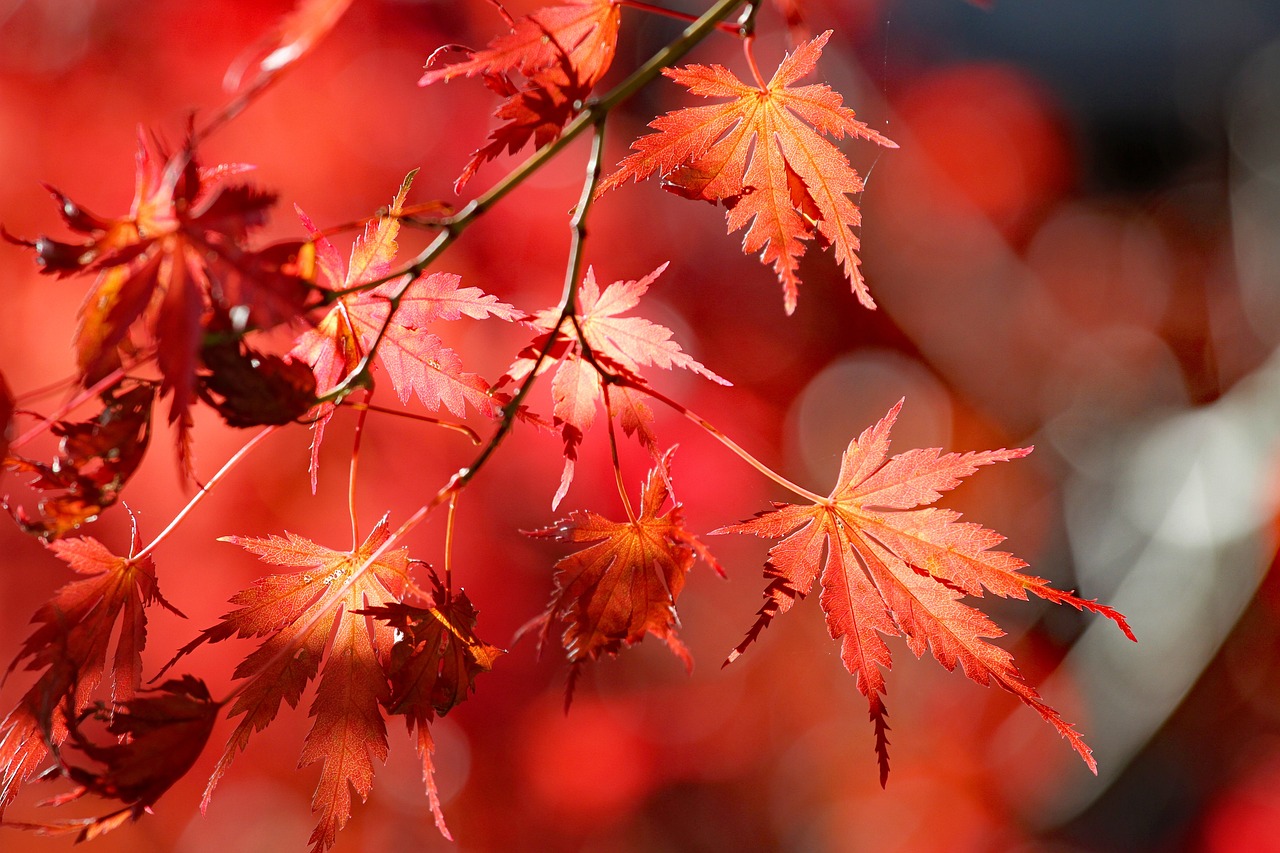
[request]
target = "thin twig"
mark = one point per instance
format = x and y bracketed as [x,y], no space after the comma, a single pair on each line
[83,397]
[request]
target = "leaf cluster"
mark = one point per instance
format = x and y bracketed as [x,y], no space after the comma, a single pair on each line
[186,304]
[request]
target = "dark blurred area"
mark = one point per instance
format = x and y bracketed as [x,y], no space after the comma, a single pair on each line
[1076,247]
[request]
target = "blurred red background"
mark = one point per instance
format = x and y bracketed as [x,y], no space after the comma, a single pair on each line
[1075,248]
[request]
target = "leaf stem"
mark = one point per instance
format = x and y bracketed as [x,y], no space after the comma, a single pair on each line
[84,396]
[747,45]
[613,451]
[354,470]
[471,434]
[725,440]
[448,546]
[231,463]
[232,108]
[45,390]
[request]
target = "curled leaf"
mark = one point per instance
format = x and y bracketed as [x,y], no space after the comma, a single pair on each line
[95,460]
[626,583]
[250,388]
[156,737]
[433,667]
[292,38]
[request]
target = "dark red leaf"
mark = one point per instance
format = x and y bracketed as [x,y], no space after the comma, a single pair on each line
[95,460]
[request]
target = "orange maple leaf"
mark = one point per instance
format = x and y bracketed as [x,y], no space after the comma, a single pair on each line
[611,593]
[72,644]
[892,569]
[309,618]
[763,155]
[561,51]
[621,345]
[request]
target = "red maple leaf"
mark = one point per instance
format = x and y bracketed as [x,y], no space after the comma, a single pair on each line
[433,667]
[611,593]
[156,737]
[561,51]
[251,388]
[310,620]
[892,569]
[621,345]
[72,644]
[416,360]
[763,155]
[95,460]
[179,258]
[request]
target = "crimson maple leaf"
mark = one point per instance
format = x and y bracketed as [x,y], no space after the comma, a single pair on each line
[177,259]
[416,360]
[72,644]
[95,460]
[156,736]
[561,51]
[433,667]
[763,155]
[611,593]
[309,617]
[892,569]
[619,344]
